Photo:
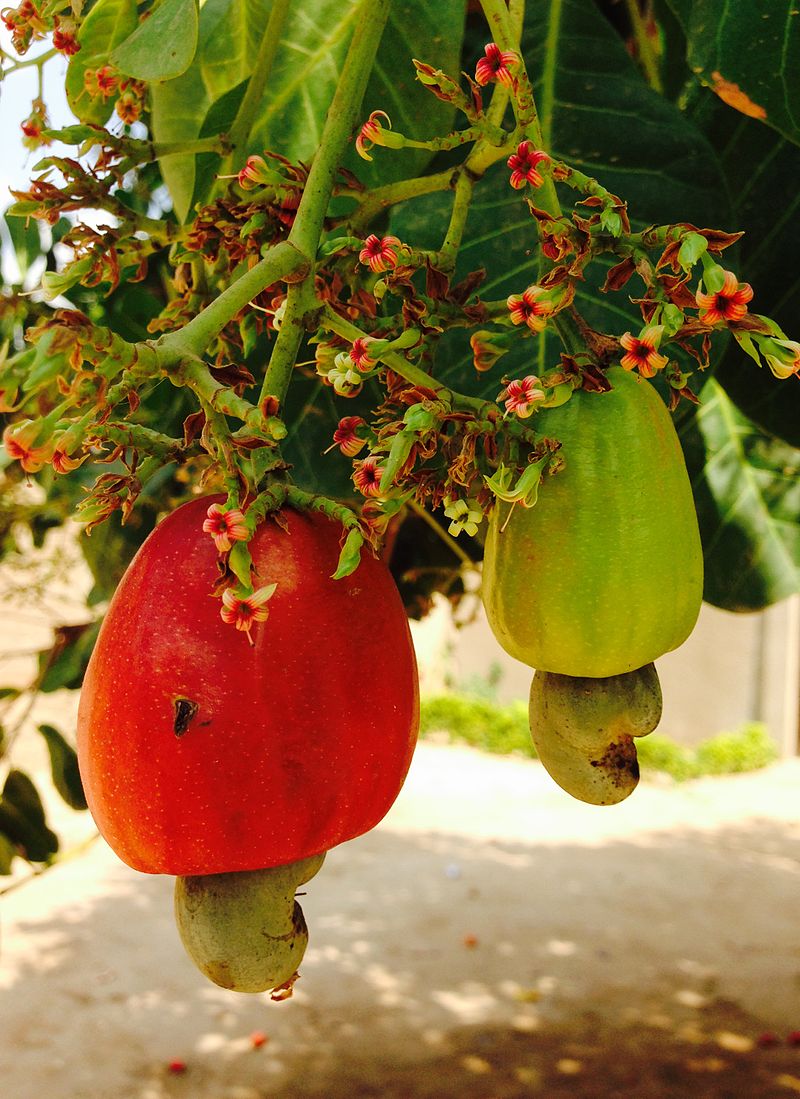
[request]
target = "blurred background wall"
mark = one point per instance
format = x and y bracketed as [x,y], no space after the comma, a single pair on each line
[734,669]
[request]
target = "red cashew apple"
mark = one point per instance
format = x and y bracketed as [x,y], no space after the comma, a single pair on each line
[236,766]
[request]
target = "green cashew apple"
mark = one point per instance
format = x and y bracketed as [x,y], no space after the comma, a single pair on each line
[583,729]
[245,931]
[605,573]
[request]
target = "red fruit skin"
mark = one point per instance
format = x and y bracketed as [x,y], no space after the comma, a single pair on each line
[300,741]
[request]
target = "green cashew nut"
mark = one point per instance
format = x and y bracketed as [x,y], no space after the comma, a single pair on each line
[583,729]
[244,930]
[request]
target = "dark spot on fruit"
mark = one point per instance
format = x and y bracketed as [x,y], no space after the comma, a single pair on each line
[185,710]
[619,760]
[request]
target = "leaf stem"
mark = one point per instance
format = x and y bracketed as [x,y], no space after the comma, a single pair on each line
[248,109]
[400,365]
[374,202]
[645,53]
[308,224]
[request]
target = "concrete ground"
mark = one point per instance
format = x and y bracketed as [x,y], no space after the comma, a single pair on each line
[492,938]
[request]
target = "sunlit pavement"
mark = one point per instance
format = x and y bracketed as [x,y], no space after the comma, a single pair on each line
[491,938]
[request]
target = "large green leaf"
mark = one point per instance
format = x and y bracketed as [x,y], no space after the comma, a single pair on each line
[107,24]
[598,114]
[427,32]
[306,71]
[749,53]
[747,493]
[761,171]
[163,46]
[226,50]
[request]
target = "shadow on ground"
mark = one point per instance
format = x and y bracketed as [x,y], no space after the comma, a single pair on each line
[438,967]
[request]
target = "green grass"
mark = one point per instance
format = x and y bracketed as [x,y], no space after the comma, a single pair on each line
[503,730]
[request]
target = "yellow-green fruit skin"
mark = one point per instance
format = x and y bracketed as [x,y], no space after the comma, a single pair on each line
[605,573]
[582,729]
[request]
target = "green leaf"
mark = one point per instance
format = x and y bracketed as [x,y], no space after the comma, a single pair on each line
[428,32]
[74,135]
[22,818]
[241,563]
[598,114]
[396,459]
[26,241]
[7,853]
[761,172]
[63,665]
[748,54]
[304,77]
[228,39]
[163,46]
[64,767]
[108,23]
[747,493]
[350,556]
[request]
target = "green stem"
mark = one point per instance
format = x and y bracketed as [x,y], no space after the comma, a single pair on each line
[280,262]
[332,508]
[339,124]
[248,109]
[645,53]
[39,60]
[497,16]
[141,437]
[284,354]
[374,202]
[197,377]
[400,365]
[507,37]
